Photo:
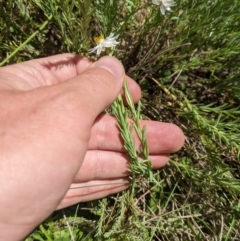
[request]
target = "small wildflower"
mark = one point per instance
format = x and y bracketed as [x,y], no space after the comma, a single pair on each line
[103,43]
[164,5]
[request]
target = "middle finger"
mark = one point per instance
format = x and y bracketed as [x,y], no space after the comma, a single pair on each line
[98,165]
[161,137]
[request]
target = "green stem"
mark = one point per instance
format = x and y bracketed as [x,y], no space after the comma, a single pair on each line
[43,230]
[26,41]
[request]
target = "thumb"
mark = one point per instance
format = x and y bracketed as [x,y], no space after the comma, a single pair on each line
[99,85]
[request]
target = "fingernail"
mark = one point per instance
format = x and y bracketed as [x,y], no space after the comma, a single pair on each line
[112,65]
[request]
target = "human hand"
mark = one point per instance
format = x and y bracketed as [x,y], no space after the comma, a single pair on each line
[53,138]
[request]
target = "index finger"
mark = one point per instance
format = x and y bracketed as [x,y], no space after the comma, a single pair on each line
[61,67]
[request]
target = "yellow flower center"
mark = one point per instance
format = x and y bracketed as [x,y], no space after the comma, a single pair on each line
[99,39]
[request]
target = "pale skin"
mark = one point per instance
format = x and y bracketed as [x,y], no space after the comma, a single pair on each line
[54,137]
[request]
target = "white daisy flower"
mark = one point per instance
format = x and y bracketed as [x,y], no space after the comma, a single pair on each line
[164,5]
[103,43]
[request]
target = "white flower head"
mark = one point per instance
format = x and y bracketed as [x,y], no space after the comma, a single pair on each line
[164,5]
[103,43]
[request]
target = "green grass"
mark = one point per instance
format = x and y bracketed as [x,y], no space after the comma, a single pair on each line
[188,66]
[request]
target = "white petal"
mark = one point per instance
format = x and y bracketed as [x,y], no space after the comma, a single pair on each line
[99,50]
[162,9]
[111,35]
[108,43]
[93,49]
[157,2]
[111,38]
[168,3]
